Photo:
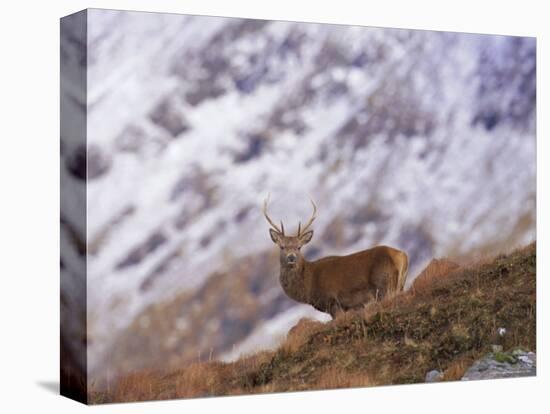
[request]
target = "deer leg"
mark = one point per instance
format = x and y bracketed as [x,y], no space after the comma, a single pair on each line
[334,312]
[384,283]
[335,308]
[381,279]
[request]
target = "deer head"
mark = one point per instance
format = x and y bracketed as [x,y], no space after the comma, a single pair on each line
[290,245]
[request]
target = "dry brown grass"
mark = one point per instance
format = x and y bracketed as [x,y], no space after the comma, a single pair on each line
[334,377]
[134,387]
[200,380]
[252,361]
[455,371]
[300,333]
[436,269]
[446,321]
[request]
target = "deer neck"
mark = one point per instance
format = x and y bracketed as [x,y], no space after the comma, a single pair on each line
[293,280]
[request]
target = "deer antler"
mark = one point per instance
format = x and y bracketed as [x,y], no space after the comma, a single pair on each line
[313,217]
[280,230]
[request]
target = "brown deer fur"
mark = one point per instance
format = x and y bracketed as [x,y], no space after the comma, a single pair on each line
[337,283]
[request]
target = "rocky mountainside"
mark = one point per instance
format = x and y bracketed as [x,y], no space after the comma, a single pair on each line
[422,140]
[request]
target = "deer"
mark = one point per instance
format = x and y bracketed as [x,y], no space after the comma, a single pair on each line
[336,284]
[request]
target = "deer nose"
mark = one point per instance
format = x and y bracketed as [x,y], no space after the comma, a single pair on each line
[291,258]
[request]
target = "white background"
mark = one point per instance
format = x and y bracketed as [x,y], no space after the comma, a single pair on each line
[29,191]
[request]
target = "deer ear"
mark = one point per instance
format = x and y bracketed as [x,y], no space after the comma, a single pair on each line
[275,236]
[306,237]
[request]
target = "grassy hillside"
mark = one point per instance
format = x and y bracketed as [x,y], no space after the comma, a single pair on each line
[447,319]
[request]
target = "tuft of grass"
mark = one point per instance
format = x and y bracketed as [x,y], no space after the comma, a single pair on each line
[300,333]
[456,369]
[505,357]
[436,269]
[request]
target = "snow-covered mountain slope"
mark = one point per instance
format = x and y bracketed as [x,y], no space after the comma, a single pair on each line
[421,140]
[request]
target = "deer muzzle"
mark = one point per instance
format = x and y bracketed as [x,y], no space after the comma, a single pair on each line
[291,258]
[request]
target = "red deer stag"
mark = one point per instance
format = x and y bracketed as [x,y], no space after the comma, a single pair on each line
[336,283]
